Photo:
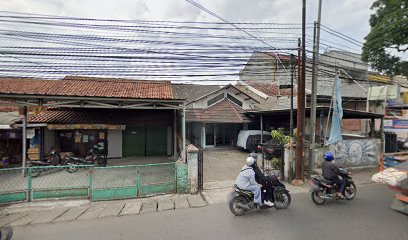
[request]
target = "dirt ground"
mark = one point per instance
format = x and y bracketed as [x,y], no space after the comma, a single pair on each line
[223,164]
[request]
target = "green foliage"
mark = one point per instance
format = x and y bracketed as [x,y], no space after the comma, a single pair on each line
[276,162]
[279,135]
[389,30]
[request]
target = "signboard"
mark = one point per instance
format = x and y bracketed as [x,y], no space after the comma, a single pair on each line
[400,124]
[84,126]
[285,86]
[393,125]
[383,92]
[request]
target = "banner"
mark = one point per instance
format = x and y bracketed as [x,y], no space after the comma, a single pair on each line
[336,131]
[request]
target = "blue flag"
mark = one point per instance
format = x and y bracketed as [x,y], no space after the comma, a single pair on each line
[335,131]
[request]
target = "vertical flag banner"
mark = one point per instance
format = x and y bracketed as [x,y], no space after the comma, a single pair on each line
[335,131]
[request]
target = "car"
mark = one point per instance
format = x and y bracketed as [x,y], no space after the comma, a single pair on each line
[249,139]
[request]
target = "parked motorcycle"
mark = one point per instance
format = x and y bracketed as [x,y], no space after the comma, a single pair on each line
[402,144]
[322,189]
[242,201]
[53,159]
[91,158]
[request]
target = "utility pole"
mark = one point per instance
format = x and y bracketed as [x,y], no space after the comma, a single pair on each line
[299,153]
[316,41]
[24,140]
[292,71]
[301,107]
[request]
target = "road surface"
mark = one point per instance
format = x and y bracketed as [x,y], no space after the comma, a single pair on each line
[366,217]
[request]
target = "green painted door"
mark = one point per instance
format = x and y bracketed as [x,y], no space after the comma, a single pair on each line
[134,141]
[156,141]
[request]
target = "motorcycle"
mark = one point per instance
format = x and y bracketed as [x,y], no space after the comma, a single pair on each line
[322,189]
[242,201]
[91,158]
[53,159]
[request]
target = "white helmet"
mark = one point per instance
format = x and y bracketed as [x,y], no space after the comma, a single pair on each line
[250,161]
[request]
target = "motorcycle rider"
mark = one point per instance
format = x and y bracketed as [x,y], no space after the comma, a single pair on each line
[246,181]
[265,182]
[331,172]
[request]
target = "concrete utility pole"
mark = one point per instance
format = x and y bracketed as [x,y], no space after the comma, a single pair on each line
[301,107]
[292,71]
[24,138]
[316,41]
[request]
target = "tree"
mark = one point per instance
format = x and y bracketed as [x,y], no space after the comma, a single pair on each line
[388,35]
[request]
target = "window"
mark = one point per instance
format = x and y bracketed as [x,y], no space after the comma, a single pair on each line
[234,100]
[215,99]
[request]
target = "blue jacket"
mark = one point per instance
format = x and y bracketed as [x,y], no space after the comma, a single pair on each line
[246,177]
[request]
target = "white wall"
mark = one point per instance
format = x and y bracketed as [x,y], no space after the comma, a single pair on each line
[114,143]
[202,103]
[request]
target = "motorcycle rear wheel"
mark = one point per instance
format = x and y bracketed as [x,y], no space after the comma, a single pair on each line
[282,200]
[350,191]
[316,197]
[236,210]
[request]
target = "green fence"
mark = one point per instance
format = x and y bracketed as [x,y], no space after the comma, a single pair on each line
[13,185]
[88,182]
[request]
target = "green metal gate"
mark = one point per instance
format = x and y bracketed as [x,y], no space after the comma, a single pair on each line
[87,182]
[13,185]
[59,182]
[119,182]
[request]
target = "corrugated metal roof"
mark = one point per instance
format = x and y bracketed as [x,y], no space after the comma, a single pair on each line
[99,116]
[8,118]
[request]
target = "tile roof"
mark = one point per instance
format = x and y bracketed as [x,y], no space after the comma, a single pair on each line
[99,116]
[7,107]
[88,87]
[191,92]
[222,112]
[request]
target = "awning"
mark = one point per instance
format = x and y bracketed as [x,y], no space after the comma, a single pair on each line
[84,126]
[347,113]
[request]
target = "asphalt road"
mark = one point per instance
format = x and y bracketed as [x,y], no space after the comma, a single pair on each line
[368,216]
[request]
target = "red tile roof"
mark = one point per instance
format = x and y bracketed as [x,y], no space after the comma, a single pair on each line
[7,107]
[222,112]
[88,87]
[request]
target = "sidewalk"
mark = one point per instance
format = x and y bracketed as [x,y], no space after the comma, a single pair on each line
[217,192]
[64,211]
[32,213]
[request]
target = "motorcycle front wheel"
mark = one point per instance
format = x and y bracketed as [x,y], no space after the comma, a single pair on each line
[350,191]
[234,205]
[317,197]
[101,162]
[282,200]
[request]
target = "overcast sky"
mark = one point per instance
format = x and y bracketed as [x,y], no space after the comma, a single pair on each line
[347,16]
[350,17]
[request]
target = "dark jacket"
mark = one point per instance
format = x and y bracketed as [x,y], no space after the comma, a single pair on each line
[259,176]
[330,170]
